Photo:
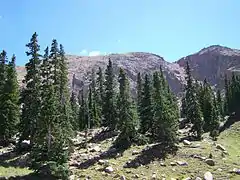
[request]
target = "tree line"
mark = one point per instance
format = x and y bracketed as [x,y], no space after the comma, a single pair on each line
[47,114]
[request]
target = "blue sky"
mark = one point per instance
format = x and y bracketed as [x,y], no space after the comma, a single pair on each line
[170,28]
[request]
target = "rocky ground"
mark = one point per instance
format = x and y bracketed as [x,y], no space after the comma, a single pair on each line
[97,159]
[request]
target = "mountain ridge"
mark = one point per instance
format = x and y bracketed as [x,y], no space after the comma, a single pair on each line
[210,62]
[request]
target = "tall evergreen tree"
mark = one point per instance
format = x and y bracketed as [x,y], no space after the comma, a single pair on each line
[109,106]
[139,92]
[146,114]
[193,111]
[9,105]
[75,109]
[127,113]
[30,98]
[99,93]
[83,116]
[220,104]
[165,119]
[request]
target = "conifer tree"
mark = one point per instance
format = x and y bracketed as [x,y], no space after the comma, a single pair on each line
[75,109]
[227,96]
[220,104]
[30,97]
[193,111]
[165,119]
[83,116]
[9,104]
[146,114]
[109,106]
[3,76]
[99,94]
[139,92]
[127,113]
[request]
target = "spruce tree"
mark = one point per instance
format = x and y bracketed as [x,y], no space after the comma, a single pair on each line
[9,104]
[3,76]
[75,109]
[220,104]
[109,103]
[83,116]
[99,94]
[127,113]
[193,111]
[139,92]
[146,114]
[165,119]
[30,97]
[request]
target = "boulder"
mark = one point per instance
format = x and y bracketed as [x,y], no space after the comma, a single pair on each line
[198,178]
[236,171]
[109,169]
[122,177]
[188,178]
[220,147]
[95,149]
[72,177]
[162,164]
[208,176]
[135,152]
[181,163]
[186,142]
[136,176]
[173,164]
[154,176]
[102,162]
[210,162]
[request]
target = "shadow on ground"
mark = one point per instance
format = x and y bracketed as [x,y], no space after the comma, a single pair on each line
[151,153]
[103,135]
[32,176]
[13,159]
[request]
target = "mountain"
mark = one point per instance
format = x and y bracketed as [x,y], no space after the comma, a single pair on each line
[211,63]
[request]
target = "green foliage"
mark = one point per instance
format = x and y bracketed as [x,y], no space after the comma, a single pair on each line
[109,103]
[146,113]
[30,97]
[193,110]
[127,113]
[9,99]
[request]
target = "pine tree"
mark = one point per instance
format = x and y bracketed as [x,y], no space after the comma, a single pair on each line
[75,109]
[3,76]
[139,92]
[99,94]
[165,119]
[109,106]
[227,96]
[30,97]
[220,104]
[9,105]
[214,131]
[127,113]
[146,114]
[193,111]
[83,116]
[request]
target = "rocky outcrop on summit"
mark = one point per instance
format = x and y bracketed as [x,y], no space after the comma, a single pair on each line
[213,63]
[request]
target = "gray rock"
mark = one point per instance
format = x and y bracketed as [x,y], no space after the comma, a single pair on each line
[95,149]
[136,176]
[181,163]
[210,162]
[198,178]
[72,177]
[109,169]
[154,176]
[208,176]
[220,147]
[122,177]
[102,162]
[162,164]
[186,142]
[188,178]
[135,152]
[173,164]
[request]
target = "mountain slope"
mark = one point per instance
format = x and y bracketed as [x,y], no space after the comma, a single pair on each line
[213,63]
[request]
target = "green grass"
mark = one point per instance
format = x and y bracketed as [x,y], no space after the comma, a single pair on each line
[13,171]
[196,168]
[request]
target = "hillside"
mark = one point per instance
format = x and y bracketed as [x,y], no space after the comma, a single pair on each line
[211,63]
[98,160]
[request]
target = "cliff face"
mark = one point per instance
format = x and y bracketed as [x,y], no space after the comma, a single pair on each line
[211,63]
